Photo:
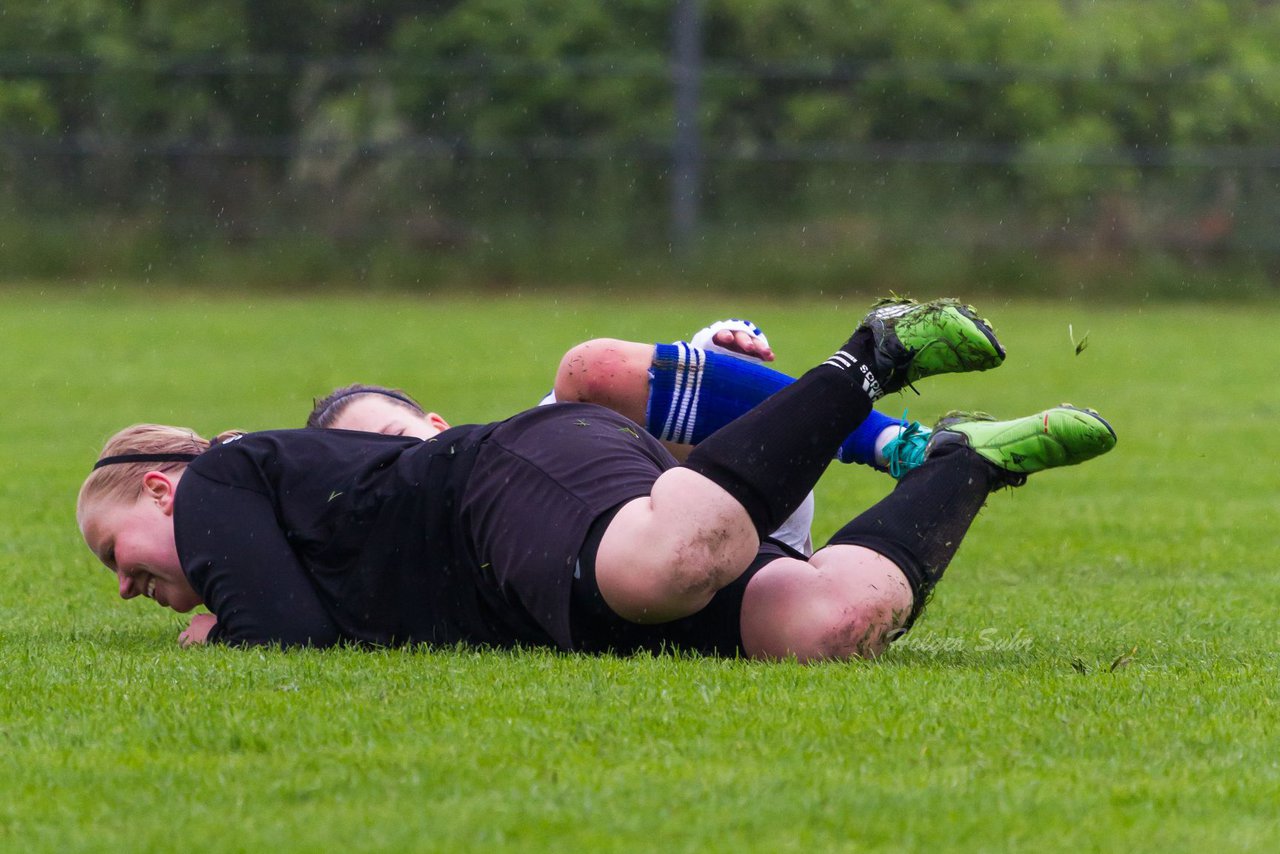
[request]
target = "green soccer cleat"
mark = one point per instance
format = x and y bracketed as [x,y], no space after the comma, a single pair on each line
[1062,436]
[916,340]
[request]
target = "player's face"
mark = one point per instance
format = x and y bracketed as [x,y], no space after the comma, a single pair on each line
[135,541]
[376,413]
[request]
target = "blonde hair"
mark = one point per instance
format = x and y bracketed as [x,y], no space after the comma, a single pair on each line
[123,481]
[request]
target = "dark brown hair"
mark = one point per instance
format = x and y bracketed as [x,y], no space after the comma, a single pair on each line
[327,409]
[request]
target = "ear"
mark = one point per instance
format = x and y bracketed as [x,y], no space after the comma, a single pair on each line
[160,487]
[437,422]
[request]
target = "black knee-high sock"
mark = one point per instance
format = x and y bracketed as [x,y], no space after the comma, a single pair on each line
[920,524]
[770,458]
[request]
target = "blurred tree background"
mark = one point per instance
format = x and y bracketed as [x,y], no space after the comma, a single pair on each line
[1048,147]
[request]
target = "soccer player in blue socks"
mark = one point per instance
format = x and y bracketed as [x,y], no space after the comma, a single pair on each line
[684,392]
[680,393]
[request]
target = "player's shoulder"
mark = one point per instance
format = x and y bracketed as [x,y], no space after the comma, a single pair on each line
[302,447]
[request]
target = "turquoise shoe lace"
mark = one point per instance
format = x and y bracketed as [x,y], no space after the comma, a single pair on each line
[906,451]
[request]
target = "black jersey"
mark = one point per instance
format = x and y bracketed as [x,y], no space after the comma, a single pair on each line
[316,536]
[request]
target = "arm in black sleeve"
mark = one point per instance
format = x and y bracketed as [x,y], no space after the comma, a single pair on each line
[240,562]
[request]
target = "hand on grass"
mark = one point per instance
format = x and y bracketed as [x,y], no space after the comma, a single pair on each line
[198,631]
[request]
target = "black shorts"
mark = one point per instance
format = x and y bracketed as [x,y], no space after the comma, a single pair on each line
[539,481]
[715,630]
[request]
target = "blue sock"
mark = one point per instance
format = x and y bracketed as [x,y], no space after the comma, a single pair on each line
[860,447]
[693,393]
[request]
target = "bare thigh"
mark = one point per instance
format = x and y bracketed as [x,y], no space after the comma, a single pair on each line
[845,601]
[665,555]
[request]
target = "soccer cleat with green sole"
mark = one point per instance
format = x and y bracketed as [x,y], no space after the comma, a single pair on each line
[1062,436]
[914,340]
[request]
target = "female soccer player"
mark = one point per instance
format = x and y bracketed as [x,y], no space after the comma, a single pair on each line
[564,525]
[680,393]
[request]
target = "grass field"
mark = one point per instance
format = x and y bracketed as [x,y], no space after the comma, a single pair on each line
[1098,671]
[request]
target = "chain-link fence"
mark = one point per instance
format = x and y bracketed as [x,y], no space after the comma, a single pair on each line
[355,165]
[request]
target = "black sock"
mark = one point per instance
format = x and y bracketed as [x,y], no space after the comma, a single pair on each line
[770,458]
[920,524]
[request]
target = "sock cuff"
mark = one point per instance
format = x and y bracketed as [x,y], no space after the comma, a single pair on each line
[755,500]
[675,379]
[860,447]
[902,556]
[693,393]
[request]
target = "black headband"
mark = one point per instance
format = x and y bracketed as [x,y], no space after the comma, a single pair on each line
[394,395]
[144,458]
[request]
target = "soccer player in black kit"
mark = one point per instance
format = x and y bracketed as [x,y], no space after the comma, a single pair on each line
[565,525]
